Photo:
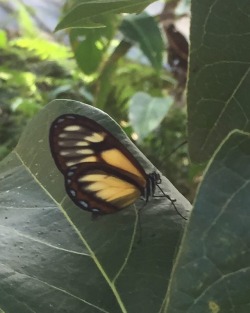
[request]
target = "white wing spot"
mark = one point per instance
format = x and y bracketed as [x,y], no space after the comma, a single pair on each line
[62,135]
[73,128]
[85,151]
[95,137]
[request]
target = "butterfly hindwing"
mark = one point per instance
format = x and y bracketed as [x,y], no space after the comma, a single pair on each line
[101,188]
[100,173]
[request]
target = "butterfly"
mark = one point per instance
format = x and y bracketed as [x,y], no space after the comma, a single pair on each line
[101,174]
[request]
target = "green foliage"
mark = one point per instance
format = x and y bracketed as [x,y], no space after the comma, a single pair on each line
[99,266]
[110,79]
[90,45]
[143,30]
[25,22]
[62,253]
[143,115]
[219,76]
[30,77]
[208,270]
[43,49]
[3,39]
[87,14]
[167,148]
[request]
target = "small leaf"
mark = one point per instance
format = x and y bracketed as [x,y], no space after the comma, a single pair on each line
[87,12]
[146,112]
[212,272]
[143,30]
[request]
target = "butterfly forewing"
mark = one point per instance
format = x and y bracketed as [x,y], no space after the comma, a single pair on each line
[70,142]
[101,175]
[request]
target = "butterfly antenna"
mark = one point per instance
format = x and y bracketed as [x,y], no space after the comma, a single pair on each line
[172,201]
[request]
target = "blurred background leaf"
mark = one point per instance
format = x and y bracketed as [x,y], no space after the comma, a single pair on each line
[87,14]
[142,29]
[146,113]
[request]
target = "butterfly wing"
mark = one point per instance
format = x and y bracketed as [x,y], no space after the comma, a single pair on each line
[84,150]
[100,188]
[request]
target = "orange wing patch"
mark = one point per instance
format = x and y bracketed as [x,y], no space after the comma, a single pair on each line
[111,189]
[116,158]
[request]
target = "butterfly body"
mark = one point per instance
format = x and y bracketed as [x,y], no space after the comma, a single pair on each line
[101,175]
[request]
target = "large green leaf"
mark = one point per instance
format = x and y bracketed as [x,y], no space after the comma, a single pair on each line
[219,76]
[55,258]
[212,271]
[142,29]
[90,13]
